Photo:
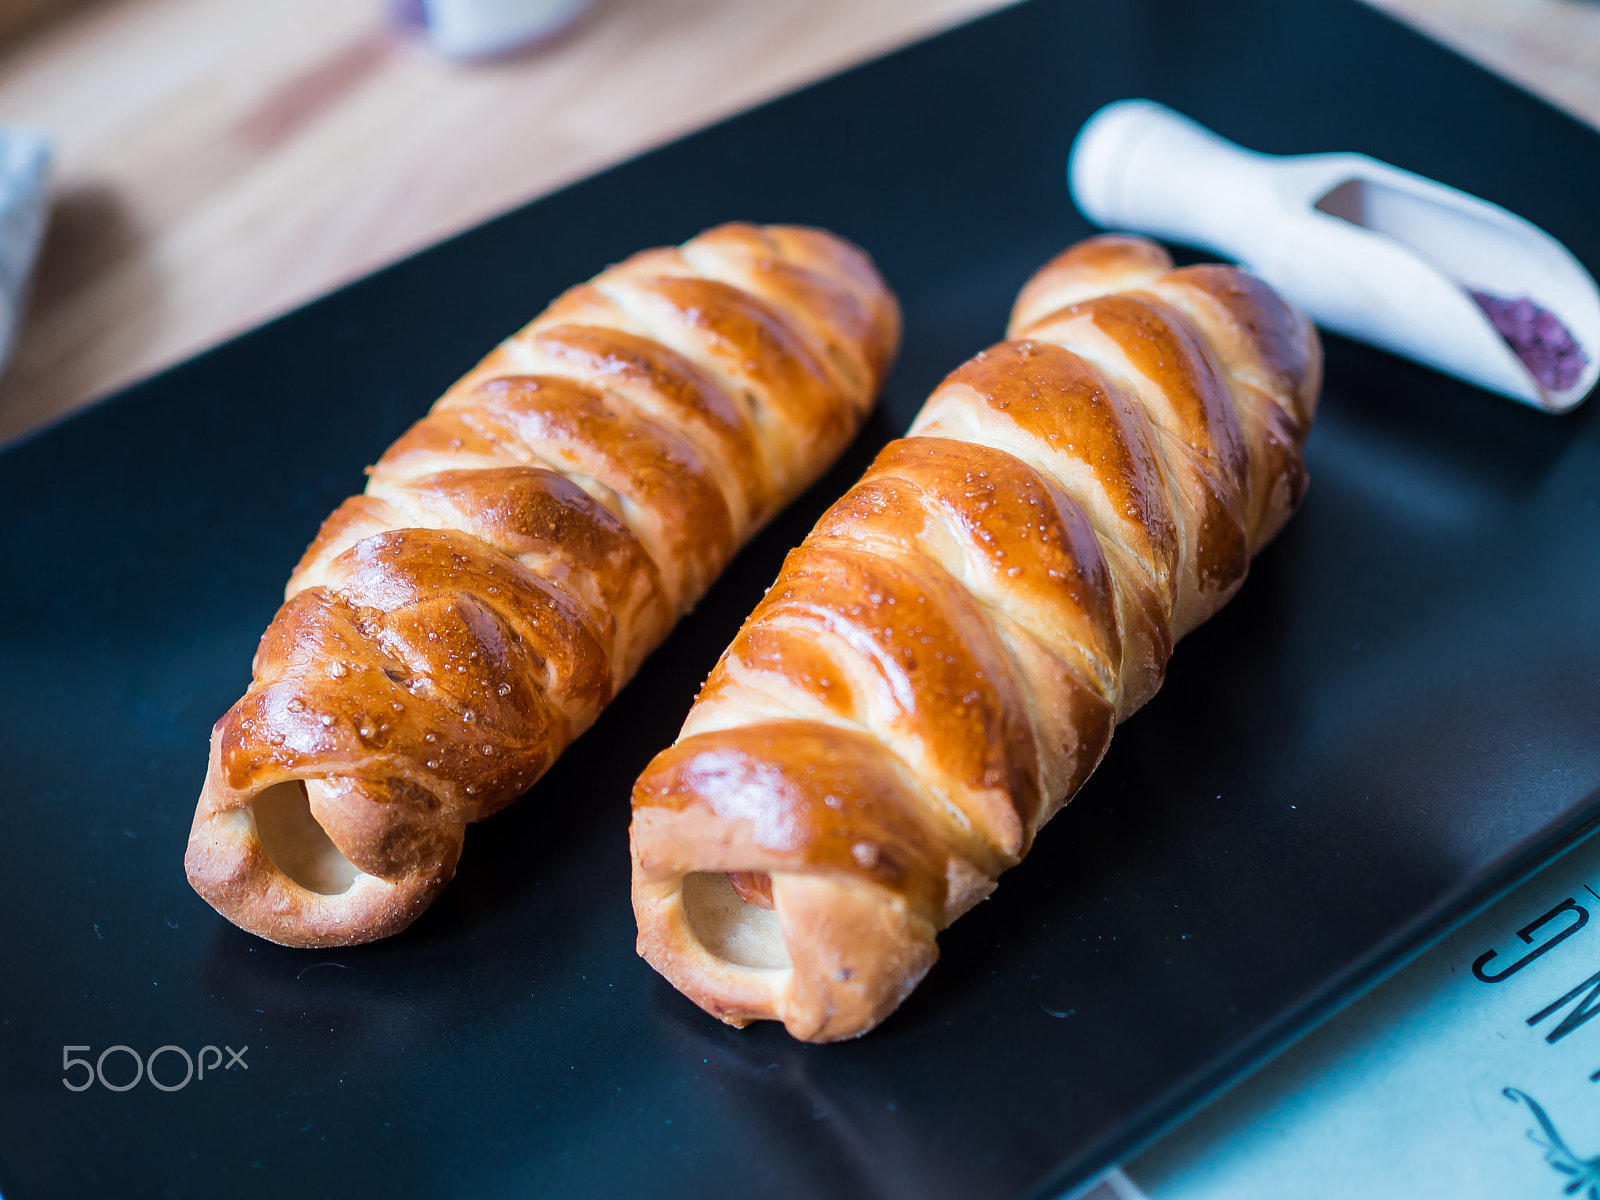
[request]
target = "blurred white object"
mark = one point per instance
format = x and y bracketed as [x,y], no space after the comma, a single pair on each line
[1364,248]
[481,28]
[24,191]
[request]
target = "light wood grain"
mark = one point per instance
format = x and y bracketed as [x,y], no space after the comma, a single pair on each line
[223,160]
[1549,47]
[18,16]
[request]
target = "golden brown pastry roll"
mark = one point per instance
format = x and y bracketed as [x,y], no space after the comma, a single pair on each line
[941,663]
[515,556]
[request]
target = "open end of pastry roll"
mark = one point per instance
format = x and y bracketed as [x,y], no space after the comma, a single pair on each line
[820,913]
[297,845]
[743,931]
[272,853]
[831,957]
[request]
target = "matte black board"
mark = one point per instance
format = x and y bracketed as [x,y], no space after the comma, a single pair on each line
[1399,714]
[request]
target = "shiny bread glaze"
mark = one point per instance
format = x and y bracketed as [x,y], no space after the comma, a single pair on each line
[516,555]
[942,662]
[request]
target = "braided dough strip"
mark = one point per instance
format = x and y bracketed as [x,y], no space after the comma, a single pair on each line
[514,557]
[941,663]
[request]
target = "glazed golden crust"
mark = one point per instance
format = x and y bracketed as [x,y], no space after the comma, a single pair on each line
[941,663]
[516,555]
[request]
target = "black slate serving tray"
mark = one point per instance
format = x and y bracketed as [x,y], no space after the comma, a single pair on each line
[1397,717]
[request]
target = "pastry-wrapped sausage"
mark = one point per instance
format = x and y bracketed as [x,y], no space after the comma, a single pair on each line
[514,557]
[940,664]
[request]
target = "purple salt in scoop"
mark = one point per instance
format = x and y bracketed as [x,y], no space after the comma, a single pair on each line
[1537,336]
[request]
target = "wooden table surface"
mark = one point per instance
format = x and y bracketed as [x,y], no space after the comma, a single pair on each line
[220,161]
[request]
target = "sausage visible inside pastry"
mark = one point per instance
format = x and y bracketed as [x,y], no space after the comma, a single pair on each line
[732,926]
